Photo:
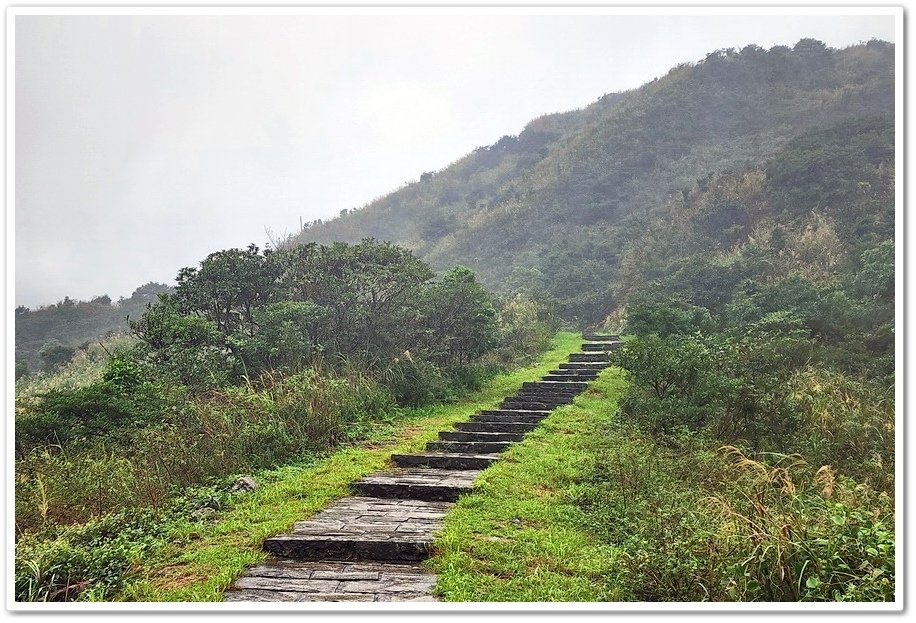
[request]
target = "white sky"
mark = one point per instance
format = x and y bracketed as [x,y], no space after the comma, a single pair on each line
[144,143]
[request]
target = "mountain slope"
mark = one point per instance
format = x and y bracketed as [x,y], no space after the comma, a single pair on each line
[553,209]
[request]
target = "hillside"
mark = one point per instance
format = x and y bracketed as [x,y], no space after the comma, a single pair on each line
[734,221]
[47,336]
[553,210]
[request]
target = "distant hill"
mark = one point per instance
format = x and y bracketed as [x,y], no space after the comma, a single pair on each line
[71,324]
[554,209]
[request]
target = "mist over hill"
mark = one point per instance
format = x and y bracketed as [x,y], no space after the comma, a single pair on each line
[553,210]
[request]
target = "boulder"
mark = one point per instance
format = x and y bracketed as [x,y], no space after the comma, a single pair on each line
[245,483]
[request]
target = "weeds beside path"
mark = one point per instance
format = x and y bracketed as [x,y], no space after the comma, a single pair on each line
[202,559]
[520,536]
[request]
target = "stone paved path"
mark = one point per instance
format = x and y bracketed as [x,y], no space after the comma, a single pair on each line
[368,547]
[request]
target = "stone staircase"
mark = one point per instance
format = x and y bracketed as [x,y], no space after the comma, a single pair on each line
[368,547]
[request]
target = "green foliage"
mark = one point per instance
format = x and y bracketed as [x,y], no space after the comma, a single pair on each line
[523,327]
[227,288]
[286,336]
[415,383]
[875,279]
[649,314]
[186,348]
[77,323]
[564,206]
[824,169]
[118,401]
[461,318]
[22,369]
[691,524]
[133,449]
[54,354]
[86,562]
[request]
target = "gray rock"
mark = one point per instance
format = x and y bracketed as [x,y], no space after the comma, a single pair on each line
[204,514]
[245,483]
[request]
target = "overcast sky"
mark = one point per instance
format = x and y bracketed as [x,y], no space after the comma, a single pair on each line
[145,143]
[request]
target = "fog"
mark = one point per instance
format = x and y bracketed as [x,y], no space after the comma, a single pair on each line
[143,143]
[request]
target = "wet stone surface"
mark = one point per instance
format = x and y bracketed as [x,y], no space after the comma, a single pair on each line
[295,580]
[368,547]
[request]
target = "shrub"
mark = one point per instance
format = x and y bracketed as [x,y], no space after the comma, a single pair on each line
[415,383]
[86,562]
[803,534]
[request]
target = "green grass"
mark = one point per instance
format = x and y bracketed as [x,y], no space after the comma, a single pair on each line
[202,559]
[520,536]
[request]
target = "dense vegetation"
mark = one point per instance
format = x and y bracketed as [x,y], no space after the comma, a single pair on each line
[48,337]
[257,358]
[734,218]
[753,454]
[552,210]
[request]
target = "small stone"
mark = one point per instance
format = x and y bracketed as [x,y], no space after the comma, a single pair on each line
[204,513]
[245,483]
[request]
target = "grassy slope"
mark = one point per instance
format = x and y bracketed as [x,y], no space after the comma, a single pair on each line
[520,536]
[204,558]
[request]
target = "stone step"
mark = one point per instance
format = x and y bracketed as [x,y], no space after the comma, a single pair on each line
[601,337]
[429,484]
[364,528]
[443,460]
[548,394]
[589,357]
[584,365]
[588,376]
[576,373]
[468,447]
[563,387]
[514,412]
[496,427]
[484,417]
[281,579]
[601,347]
[525,403]
[460,435]
[528,403]
[551,400]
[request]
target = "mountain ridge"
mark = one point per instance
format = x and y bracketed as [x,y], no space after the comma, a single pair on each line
[586,179]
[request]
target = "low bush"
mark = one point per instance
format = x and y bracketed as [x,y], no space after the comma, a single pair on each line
[691,523]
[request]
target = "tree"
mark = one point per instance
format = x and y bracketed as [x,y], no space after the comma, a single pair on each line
[187,347]
[54,354]
[148,292]
[227,287]
[371,291]
[460,316]
[22,369]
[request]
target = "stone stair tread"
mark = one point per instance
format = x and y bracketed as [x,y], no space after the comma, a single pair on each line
[469,437]
[468,446]
[544,412]
[295,580]
[446,460]
[363,547]
[367,518]
[428,476]
[457,455]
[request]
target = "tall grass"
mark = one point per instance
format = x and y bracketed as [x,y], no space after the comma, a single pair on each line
[229,431]
[691,523]
[85,367]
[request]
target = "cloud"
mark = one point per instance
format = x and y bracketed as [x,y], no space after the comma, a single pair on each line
[146,142]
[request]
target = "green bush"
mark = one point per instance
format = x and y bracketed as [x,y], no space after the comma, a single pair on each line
[689,523]
[730,387]
[86,562]
[415,382]
[663,316]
